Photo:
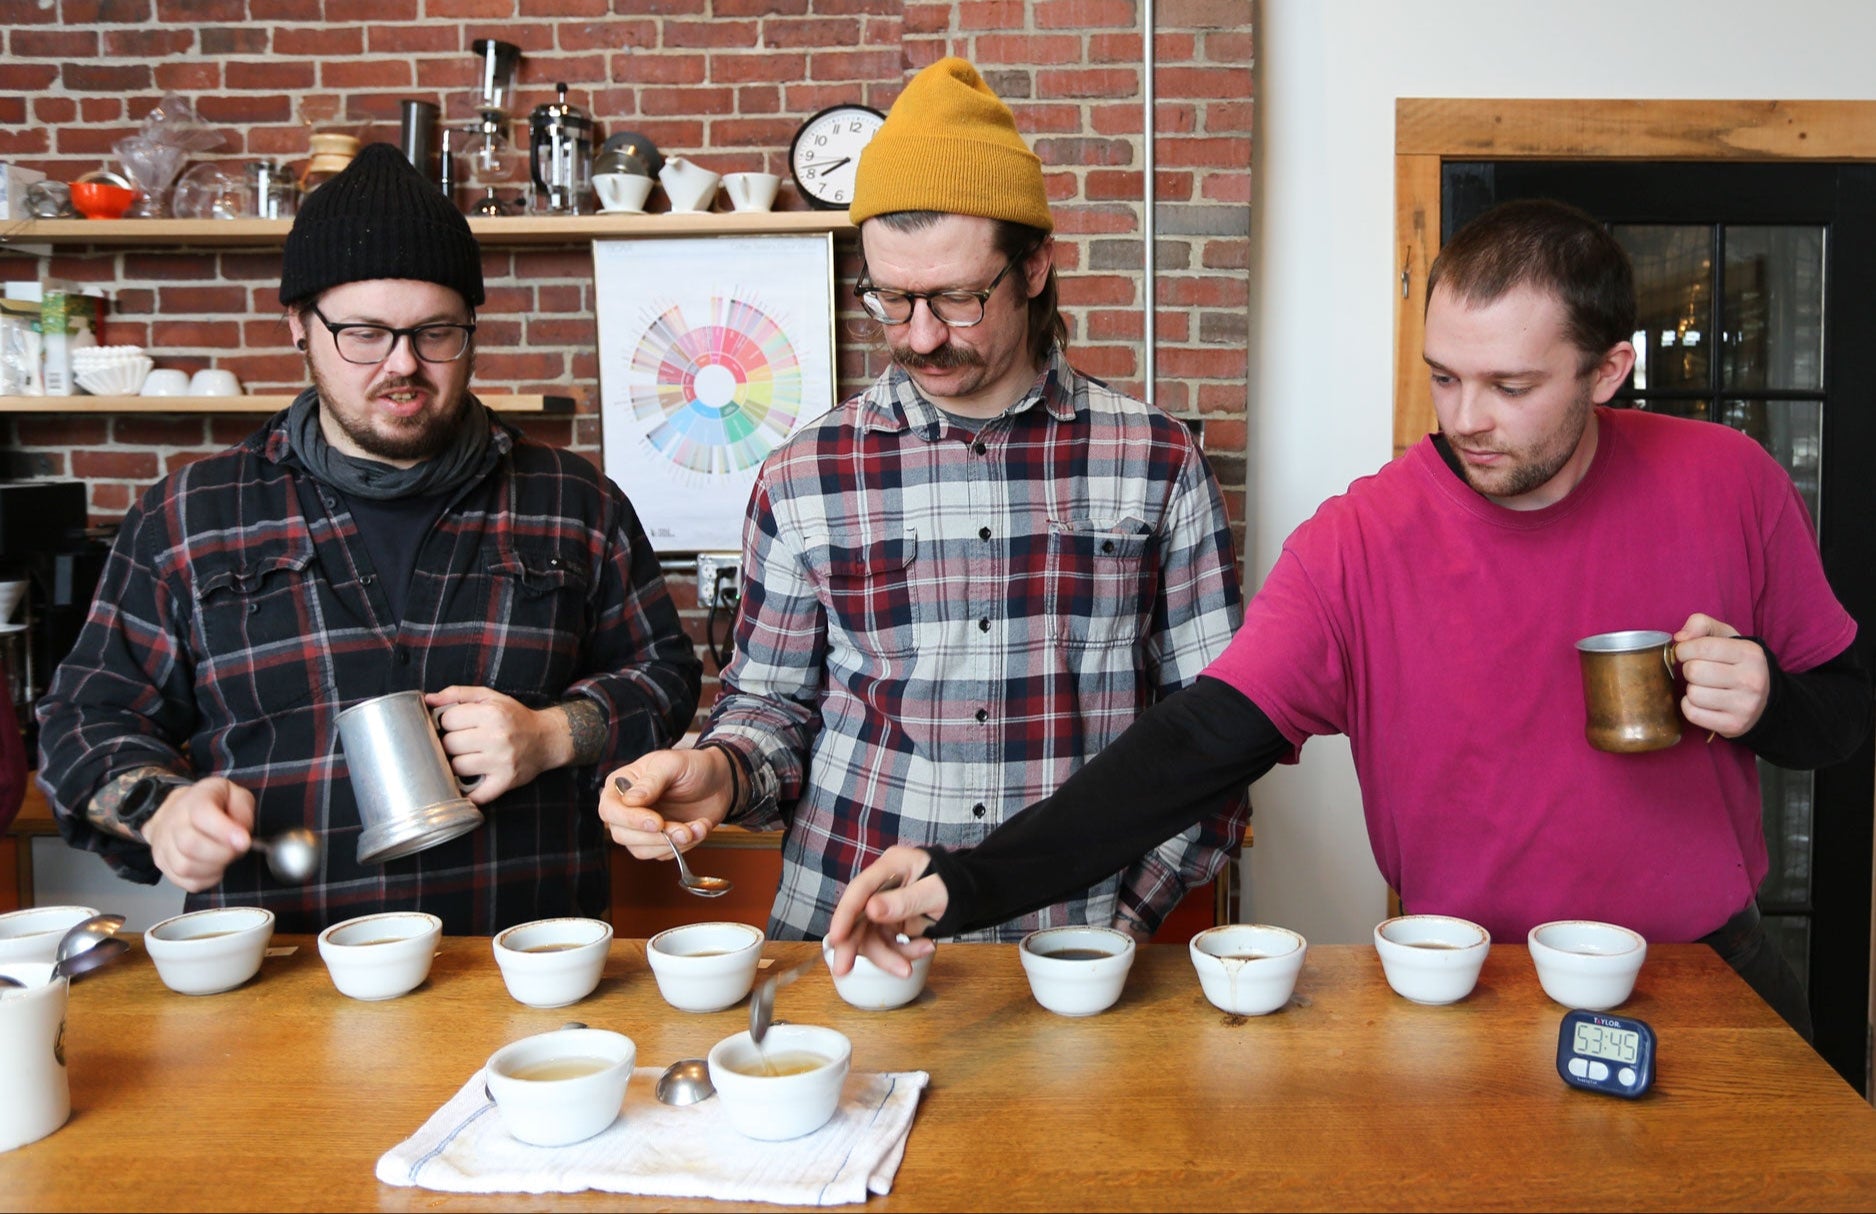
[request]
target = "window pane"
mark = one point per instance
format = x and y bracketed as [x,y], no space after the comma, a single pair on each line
[1793,431]
[1786,800]
[1793,935]
[1674,294]
[1774,316]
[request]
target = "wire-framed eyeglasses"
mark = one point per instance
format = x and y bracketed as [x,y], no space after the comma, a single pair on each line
[958,309]
[367,345]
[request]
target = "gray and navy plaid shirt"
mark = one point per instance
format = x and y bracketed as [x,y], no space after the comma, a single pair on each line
[239,614]
[937,628]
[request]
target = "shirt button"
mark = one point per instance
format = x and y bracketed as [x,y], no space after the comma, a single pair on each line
[978,810]
[983,625]
[979,447]
[983,533]
[1107,545]
[983,714]
[403,656]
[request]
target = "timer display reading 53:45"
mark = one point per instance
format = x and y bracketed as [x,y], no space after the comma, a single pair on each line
[1605,1053]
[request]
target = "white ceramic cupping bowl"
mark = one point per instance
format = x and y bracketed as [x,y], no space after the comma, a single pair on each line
[1077,986]
[380,956]
[34,934]
[1248,969]
[705,967]
[1587,965]
[1431,958]
[206,952]
[557,1112]
[869,987]
[776,1107]
[553,962]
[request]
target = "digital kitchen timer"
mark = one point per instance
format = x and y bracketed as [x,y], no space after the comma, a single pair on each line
[1605,1053]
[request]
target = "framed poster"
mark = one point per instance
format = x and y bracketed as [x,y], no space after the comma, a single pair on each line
[712,350]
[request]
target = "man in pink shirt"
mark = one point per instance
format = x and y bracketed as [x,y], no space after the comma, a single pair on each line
[1430,614]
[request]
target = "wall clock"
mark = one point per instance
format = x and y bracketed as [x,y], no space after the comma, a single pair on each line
[826,152]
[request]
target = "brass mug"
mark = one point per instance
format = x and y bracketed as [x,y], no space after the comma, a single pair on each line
[1629,702]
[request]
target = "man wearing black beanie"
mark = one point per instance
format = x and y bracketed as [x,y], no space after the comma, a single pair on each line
[385,533]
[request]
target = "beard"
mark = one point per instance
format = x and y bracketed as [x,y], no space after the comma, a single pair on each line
[1534,467]
[421,437]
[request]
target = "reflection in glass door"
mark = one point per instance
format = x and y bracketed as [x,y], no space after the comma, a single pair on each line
[1730,329]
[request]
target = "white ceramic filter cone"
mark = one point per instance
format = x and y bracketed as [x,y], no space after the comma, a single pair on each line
[12,594]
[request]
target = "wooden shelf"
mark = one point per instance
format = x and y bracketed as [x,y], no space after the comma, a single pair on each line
[506,231]
[258,405]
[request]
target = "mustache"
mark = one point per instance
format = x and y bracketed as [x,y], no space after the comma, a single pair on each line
[944,358]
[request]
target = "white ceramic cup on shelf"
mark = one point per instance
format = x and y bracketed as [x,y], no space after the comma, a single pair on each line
[212,381]
[752,191]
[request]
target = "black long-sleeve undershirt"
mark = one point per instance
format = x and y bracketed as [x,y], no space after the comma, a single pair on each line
[1194,749]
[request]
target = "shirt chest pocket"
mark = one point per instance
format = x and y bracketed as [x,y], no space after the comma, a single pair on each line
[538,614]
[1100,591]
[261,629]
[869,590]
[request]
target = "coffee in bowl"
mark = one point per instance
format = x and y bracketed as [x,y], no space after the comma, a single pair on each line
[1076,971]
[380,956]
[787,1086]
[869,987]
[1431,959]
[207,952]
[553,962]
[1586,965]
[555,1089]
[1247,969]
[705,967]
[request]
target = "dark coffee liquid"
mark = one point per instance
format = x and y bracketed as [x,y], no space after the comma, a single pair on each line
[1432,944]
[1244,956]
[1075,954]
[547,948]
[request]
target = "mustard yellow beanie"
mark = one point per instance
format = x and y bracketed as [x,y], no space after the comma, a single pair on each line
[950,144]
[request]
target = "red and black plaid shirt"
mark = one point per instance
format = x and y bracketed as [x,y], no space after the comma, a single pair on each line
[239,614]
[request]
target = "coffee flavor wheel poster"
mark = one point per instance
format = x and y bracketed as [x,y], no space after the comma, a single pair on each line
[712,351]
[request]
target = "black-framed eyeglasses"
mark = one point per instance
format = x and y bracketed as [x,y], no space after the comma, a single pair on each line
[958,309]
[367,345]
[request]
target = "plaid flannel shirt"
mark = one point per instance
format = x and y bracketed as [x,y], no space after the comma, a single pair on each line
[937,628]
[239,613]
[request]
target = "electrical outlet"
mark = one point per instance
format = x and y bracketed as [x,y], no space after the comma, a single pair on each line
[717,572]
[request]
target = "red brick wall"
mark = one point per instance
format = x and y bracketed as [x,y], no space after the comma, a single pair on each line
[726,81]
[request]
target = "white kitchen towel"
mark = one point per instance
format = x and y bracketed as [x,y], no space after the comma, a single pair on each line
[657,1150]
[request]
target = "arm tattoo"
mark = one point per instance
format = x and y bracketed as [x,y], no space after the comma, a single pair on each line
[108,802]
[587,725]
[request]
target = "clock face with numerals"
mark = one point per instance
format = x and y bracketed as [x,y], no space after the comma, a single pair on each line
[826,153]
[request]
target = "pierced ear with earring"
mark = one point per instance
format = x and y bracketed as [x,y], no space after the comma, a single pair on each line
[300,344]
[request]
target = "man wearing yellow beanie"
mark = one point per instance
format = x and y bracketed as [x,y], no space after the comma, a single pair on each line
[964,582]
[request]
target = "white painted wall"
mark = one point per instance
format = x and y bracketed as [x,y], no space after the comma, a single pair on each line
[1323,280]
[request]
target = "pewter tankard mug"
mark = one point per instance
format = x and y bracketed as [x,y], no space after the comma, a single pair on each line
[1628,691]
[408,798]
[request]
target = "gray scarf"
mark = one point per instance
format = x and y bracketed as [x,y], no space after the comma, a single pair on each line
[455,465]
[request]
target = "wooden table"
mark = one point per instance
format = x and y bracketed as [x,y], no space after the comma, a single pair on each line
[282,1094]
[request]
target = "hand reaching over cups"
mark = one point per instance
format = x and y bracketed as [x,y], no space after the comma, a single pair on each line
[1729,681]
[884,912]
[681,795]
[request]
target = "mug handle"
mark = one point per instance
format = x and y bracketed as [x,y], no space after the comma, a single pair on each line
[464,784]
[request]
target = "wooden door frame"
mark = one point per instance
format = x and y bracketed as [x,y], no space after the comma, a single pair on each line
[1429,131]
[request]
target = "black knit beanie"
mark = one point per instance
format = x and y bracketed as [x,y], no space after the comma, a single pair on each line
[380,218]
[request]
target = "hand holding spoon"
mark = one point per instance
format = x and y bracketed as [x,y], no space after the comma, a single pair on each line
[703,887]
